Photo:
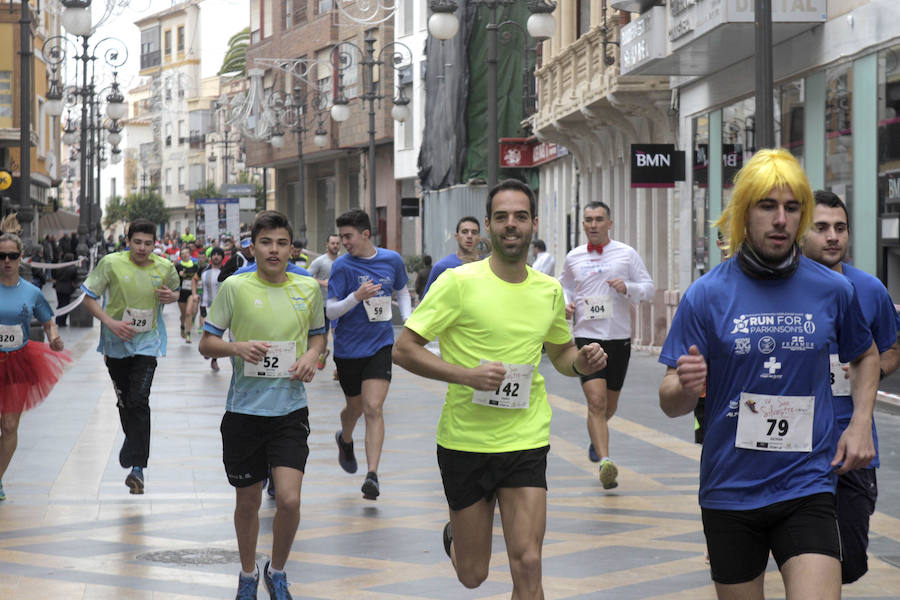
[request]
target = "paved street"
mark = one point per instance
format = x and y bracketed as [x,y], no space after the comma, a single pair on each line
[71,530]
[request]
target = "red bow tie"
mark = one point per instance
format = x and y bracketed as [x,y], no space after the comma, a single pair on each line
[593,248]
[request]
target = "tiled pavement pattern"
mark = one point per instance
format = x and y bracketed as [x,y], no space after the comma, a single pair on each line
[71,530]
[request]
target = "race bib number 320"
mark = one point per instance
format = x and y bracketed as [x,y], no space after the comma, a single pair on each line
[513,392]
[11,336]
[775,423]
[275,363]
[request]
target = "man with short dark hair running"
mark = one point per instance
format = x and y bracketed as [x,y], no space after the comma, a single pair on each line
[468,232]
[494,432]
[359,297]
[266,422]
[134,285]
[602,280]
[857,490]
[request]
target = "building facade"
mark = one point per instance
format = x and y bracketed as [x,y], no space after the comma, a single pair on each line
[45,172]
[335,175]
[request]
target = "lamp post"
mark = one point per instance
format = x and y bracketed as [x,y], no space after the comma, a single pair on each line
[340,111]
[26,54]
[76,19]
[443,25]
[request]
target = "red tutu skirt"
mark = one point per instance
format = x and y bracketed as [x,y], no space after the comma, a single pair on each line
[28,374]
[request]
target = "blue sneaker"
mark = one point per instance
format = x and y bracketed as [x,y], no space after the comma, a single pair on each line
[2,493]
[277,584]
[135,480]
[247,587]
[346,458]
[592,454]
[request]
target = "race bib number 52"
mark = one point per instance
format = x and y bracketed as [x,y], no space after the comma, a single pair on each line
[275,363]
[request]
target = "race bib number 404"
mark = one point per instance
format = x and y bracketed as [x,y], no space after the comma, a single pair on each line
[598,307]
[513,392]
[11,336]
[275,363]
[775,423]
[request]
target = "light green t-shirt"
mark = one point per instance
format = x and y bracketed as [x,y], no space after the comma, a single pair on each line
[255,309]
[478,316]
[123,285]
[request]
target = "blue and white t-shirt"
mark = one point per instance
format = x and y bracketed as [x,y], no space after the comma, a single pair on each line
[881,317]
[772,338]
[355,336]
[17,304]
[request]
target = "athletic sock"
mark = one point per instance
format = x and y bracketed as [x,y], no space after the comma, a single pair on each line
[245,575]
[604,459]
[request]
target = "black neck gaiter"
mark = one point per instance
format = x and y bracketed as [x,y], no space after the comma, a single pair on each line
[753,266]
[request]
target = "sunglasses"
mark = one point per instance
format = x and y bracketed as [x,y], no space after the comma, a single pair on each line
[9,255]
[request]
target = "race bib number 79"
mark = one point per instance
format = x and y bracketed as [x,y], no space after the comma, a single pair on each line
[775,423]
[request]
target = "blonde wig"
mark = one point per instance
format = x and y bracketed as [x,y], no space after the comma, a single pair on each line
[767,169]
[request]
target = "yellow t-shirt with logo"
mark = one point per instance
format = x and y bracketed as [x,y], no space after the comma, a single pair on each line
[122,284]
[255,309]
[478,316]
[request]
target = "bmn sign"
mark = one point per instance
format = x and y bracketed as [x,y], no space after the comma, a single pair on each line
[656,165]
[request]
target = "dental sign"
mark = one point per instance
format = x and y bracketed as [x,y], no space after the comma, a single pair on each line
[689,19]
[656,165]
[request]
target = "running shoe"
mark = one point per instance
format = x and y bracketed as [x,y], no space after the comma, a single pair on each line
[277,584]
[608,473]
[187,337]
[370,488]
[2,493]
[322,358]
[182,330]
[592,454]
[247,587]
[135,480]
[346,458]
[214,365]
[448,539]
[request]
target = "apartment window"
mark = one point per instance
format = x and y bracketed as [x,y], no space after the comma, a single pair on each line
[196,177]
[349,71]
[181,38]
[406,20]
[181,179]
[181,131]
[6,100]
[168,181]
[323,73]
[149,47]
[42,127]
[168,134]
[583,16]
[409,125]
[168,42]
[299,12]
[325,6]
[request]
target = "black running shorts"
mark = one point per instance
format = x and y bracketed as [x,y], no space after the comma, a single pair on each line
[251,444]
[470,476]
[352,371]
[739,541]
[857,492]
[618,353]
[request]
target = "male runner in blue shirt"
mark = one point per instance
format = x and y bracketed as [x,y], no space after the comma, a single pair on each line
[857,490]
[758,330]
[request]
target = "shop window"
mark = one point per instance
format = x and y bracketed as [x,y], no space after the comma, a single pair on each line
[839,133]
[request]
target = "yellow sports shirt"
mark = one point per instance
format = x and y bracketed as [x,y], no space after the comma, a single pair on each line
[479,317]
